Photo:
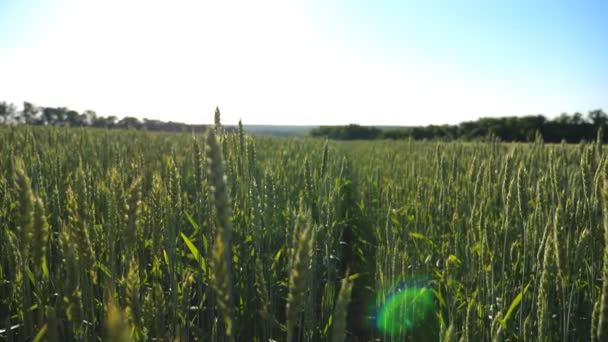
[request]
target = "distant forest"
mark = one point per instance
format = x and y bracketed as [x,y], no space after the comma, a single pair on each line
[62,116]
[570,128]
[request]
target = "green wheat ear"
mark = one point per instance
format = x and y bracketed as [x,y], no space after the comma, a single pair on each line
[341,309]
[544,319]
[133,288]
[297,274]
[218,121]
[79,233]
[450,333]
[602,325]
[40,236]
[117,327]
[25,230]
[26,203]
[594,318]
[221,255]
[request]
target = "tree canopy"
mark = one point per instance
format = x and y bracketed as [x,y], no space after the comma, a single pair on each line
[62,116]
[570,128]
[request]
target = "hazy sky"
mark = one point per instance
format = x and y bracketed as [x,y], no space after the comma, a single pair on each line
[307,62]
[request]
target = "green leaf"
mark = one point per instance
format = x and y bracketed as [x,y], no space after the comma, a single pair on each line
[192,223]
[191,246]
[104,269]
[40,334]
[419,236]
[195,253]
[513,306]
[30,275]
[45,269]
[476,248]
[439,298]
[276,258]
[452,259]
[166,256]
[328,325]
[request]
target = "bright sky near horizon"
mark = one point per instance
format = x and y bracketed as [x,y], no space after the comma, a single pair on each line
[307,62]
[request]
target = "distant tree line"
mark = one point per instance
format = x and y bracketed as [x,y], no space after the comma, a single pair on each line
[62,116]
[570,128]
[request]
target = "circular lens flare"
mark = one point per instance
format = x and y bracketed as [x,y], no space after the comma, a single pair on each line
[409,310]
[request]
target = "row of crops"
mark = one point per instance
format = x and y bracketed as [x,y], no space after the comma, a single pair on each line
[125,235]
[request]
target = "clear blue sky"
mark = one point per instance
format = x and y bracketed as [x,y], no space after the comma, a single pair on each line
[307,62]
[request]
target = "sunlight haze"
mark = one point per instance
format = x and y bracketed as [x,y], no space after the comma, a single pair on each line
[306,62]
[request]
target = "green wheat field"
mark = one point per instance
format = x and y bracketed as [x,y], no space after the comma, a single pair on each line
[116,235]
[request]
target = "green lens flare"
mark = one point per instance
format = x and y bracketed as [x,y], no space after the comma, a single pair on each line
[408,311]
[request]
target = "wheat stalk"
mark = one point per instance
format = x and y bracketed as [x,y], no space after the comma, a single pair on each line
[222,250]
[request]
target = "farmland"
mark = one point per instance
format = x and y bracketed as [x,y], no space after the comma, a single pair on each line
[131,235]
